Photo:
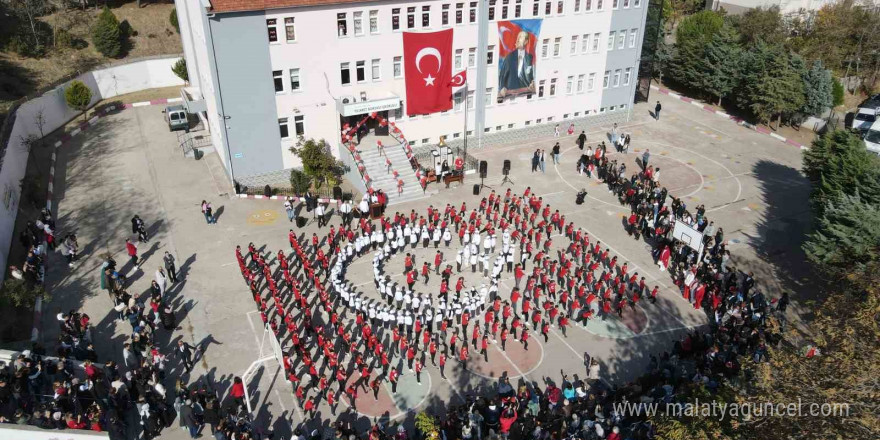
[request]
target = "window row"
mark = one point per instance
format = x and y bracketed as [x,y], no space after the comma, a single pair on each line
[299,126]
[359,23]
[614,80]
[621,39]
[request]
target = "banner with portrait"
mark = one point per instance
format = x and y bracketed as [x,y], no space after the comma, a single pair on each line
[517,40]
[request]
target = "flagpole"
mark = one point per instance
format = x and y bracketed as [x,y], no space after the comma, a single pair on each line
[464,159]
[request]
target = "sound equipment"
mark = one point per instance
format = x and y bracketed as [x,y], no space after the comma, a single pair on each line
[376,211]
[477,189]
[506,168]
[484,168]
[301,222]
[337,193]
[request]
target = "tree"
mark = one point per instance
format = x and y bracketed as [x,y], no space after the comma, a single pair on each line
[300,181]
[30,10]
[838,165]
[663,56]
[173,19]
[721,64]
[20,293]
[106,34]
[179,69]
[318,162]
[846,238]
[427,425]
[817,90]
[771,86]
[691,38]
[837,92]
[760,24]
[78,96]
[674,10]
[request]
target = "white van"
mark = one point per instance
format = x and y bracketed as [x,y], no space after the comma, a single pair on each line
[176,117]
[872,138]
[864,119]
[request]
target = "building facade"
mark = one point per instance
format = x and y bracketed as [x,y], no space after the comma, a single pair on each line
[263,73]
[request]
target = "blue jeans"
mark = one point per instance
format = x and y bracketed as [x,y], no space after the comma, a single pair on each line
[207,217]
[193,431]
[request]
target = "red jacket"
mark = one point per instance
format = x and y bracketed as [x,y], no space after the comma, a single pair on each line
[237,390]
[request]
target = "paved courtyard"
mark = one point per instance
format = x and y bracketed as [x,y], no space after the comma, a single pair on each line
[130,164]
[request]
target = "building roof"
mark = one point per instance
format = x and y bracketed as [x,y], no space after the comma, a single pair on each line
[262,5]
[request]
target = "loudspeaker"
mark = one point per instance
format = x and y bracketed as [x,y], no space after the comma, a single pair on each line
[301,222]
[477,188]
[506,168]
[484,168]
[337,193]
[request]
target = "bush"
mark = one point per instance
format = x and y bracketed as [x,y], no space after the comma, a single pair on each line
[299,181]
[173,19]
[19,294]
[179,69]
[106,34]
[837,93]
[78,96]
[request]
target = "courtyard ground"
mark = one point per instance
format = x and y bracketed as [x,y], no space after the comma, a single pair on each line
[130,164]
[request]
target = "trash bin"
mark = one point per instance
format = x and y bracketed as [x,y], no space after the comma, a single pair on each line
[197,154]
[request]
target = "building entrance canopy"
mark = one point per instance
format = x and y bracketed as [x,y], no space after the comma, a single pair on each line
[368,107]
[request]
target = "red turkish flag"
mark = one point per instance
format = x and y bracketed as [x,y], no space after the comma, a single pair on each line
[427,61]
[458,80]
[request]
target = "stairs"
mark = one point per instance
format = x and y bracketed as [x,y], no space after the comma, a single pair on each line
[378,170]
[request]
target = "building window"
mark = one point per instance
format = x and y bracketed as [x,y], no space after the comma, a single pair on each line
[626,4]
[342,24]
[598,5]
[596,38]
[509,126]
[358,18]
[277,78]
[299,125]
[538,121]
[577,6]
[344,73]
[585,43]
[632,37]
[376,70]
[541,88]
[611,40]
[457,61]
[616,78]
[560,7]
[360,69]
[517,10]
[411,17]
[569,85]
[444,15]
[553,87]
[528,123]
[472,57]
[459,13]
[282,128]
[470,101]
[548,8]
[545,48]
[605,79]
[272,27]
[535,7]
[491,10]
[588,5]
[488,100]
[395,19]
[580,83]
[289,29]
[614,4]
[557,46]
[472,15]
[626,75]
[574,44]
[457,100]
[504,9]
[398,63]
[426,16]
[621,39]
[374,21]
[295,83]
[637,3]
[490,55]
[591,82]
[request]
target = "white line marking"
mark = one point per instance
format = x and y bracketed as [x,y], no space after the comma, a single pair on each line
[141,104]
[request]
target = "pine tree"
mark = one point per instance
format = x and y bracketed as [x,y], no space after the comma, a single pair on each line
[179,69]
[106,35]
[78,96]
[817,90]
[721,64]
[691,38]
[846,237]
[771,85]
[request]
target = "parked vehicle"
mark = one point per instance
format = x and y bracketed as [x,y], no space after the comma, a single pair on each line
[872,138]
[863,119]
[175,116]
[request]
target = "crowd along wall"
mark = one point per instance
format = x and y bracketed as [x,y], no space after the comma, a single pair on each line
[105,82]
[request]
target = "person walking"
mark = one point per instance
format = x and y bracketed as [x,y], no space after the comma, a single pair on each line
[188,419]
[161,280]
[556,153]
[535,160]
[185,351]
[170,267]
[132,251]
[205,212]
[582,140]
[556,131]
[288,206]
[645,157]
[657,111]
[541,161]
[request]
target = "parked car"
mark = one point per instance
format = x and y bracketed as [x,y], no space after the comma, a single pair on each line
[872,138]
[175,116]
[863,119]
[872,102]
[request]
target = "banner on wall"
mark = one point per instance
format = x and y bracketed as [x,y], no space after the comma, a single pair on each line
[427,65]
[517,40]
